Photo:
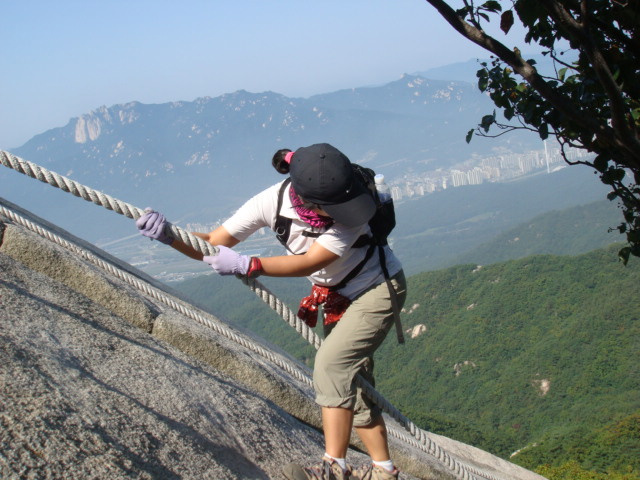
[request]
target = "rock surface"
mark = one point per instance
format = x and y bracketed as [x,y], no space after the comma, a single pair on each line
[100,379]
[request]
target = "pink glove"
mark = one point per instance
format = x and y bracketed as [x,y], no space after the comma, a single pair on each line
[153,224]
[228,262]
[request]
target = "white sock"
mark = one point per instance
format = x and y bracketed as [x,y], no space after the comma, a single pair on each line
[340,461]
[387,465]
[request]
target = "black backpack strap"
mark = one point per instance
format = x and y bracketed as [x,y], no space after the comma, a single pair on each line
[392,294]
[283,224]
[356,270]
[362,241]
[392,291]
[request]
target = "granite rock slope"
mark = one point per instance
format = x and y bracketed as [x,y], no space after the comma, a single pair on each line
[99,379]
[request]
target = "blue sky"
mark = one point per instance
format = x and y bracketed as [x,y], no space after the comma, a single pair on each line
[65,58]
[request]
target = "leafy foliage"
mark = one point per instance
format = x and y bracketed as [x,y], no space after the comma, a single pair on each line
[592,103]
[603,450]
[572,470]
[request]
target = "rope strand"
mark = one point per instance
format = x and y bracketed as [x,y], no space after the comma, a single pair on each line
[421,439]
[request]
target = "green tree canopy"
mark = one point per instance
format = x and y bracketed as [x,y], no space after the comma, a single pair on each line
[592,103]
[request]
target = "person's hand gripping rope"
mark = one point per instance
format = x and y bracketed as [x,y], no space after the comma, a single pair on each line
[227,262]
[154,225]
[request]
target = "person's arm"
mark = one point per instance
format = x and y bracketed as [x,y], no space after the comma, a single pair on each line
[228,262]
[219,236]
[253,215]
[316,258]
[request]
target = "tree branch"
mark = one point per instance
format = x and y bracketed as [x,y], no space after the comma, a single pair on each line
[474,20]
[513,59]
[581,30]
[606,135]
[561,62]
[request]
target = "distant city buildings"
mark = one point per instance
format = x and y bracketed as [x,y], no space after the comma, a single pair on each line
[477,170]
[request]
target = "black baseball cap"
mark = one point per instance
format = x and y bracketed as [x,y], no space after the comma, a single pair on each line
[322,174]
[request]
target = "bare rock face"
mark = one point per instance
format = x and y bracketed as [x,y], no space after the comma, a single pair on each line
[101,379]
[87,395]
[417,330]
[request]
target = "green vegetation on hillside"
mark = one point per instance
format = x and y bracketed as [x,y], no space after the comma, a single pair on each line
[536,356]
[567,232]
[230,300]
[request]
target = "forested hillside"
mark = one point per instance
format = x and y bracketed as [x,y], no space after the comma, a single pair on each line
[434,231]
[566,232]
[229,299]
[537,355]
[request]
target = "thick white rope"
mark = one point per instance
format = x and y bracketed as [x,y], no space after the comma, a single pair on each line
[146,288]
[421,440]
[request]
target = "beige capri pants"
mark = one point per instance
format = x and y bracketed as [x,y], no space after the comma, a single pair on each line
[349,348]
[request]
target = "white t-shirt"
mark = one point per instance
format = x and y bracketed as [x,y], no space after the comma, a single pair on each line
[261,211]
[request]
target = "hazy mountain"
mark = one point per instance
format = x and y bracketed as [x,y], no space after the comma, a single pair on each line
[198,161]
[202,158]
[466,71]
[571,231]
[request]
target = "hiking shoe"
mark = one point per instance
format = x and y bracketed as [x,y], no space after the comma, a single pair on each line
[326,470]
[373,472]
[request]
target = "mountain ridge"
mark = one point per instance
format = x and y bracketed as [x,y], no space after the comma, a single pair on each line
[136,140]
[198,161]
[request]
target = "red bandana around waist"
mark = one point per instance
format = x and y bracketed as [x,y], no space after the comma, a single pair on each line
[334,306]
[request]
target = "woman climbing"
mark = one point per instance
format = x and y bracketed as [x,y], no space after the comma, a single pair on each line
[327,209]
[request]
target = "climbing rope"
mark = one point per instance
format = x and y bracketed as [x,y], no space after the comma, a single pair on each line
[157,294]
[420,440]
